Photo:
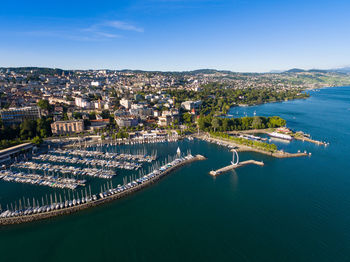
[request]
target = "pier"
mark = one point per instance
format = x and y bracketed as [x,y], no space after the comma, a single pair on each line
[235,164]
[56,209]
[231,167]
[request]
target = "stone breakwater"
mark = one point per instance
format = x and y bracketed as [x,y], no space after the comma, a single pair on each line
[73,209]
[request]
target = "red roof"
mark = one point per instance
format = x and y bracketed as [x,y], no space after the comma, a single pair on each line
[100,120]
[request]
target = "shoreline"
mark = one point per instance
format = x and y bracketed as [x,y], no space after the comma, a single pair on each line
[269,130]
[244,148]
[91,204]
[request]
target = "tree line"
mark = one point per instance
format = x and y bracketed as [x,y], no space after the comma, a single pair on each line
[214,123]
[34,130]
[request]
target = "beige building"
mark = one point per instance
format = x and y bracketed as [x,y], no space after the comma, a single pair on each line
[165,120]
[67,127]
[126,121]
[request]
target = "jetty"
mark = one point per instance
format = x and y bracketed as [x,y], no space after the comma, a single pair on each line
[231,167]
[29,213]
[235,164]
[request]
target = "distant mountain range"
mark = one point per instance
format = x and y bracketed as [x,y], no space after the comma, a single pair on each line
[299,70]
[43,70]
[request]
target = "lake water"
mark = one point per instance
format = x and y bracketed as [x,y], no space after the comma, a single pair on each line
[289,210]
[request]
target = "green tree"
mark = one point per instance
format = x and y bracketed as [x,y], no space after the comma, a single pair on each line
[37,140]
[276,121]
[44,104]
[215,123]
[28,129]
[257,122]
[187,117]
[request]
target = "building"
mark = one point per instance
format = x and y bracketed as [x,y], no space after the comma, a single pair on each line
[67,127]
[98,124]
[54,100]
[165,120]
[125,103]
[95,83]
[189,105]
[81,102]
[16,115]
[126,121]
[141,111]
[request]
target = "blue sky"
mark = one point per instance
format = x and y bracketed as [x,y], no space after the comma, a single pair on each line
[175,35]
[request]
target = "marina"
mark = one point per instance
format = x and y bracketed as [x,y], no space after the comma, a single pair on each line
[138,140]
[92,162]
[106,155]
[35,179]
[27,211]
[63,169]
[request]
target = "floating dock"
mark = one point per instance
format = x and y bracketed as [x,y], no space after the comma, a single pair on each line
[231,167]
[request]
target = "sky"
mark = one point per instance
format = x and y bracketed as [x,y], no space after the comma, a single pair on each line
[176,35]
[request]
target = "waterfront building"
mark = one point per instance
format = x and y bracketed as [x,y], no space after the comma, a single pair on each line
[19,114]
[67,127]
[126,121]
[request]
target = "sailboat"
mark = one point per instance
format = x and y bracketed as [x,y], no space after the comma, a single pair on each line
[178,151]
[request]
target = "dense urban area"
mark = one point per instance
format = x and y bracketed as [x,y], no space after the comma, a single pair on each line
[37,103]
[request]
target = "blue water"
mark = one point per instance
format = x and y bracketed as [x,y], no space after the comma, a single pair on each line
[289,210]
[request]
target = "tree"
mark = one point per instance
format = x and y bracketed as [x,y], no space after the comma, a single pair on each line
[37,140]
[187,117]
[105,114]
[28,129]
[225,123]
[92,116]
[276,121]
[257,122]
[44,104]
[43,127]
[215,123]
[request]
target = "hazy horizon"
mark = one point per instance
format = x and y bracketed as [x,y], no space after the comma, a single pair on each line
[176,35]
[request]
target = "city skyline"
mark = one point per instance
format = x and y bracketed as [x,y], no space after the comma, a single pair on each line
[176,35]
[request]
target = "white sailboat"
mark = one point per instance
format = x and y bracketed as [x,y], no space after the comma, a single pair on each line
[178,151]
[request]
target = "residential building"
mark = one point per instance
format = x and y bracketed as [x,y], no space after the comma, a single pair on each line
[81,102]
[126,121]
[19,114]
[165,120]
